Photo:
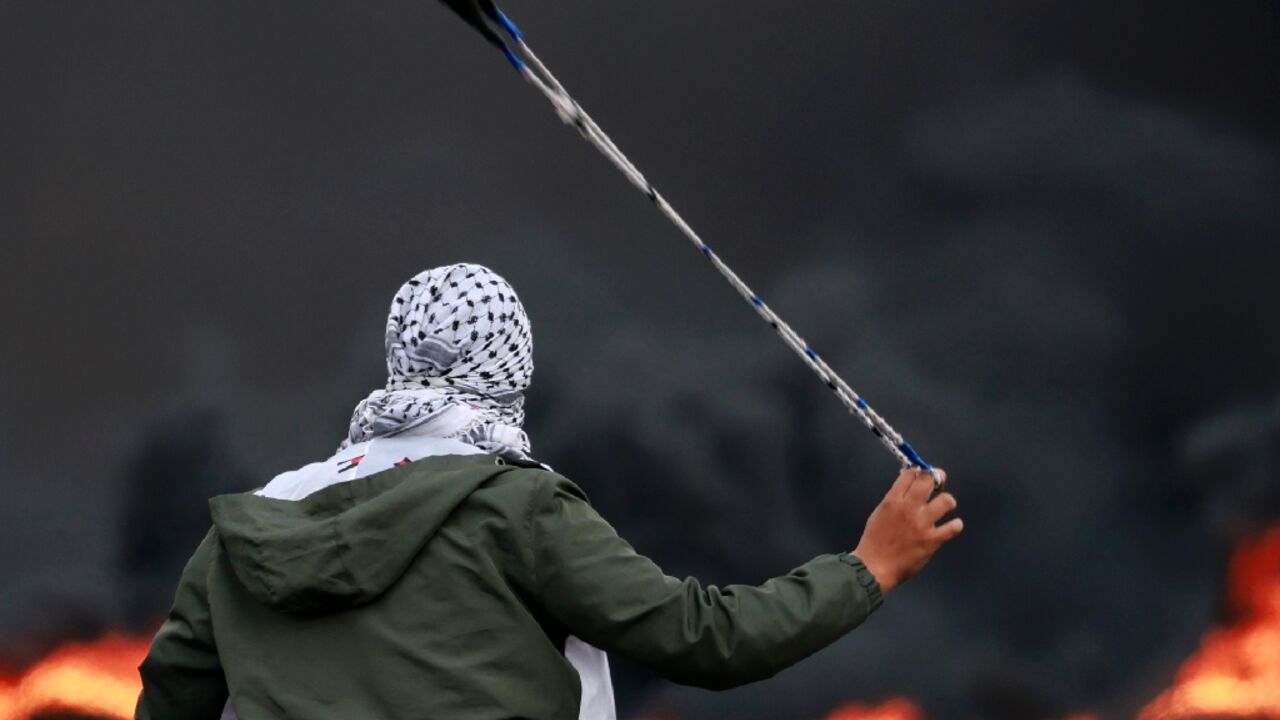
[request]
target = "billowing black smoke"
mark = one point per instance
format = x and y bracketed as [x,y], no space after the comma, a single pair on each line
[1040,242]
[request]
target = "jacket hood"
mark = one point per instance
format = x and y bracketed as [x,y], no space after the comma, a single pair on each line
[345,545]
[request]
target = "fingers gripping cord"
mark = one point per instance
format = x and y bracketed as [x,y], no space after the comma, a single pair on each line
[538,75]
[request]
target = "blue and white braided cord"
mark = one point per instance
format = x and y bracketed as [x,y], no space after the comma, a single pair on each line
[573,114]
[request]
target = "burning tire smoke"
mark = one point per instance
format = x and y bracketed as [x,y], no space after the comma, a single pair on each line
[1042,236]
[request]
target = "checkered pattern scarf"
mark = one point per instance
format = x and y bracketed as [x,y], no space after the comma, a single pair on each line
[459,357]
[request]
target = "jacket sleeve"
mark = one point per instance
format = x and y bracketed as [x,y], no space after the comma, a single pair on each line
[182,678]
[596,585]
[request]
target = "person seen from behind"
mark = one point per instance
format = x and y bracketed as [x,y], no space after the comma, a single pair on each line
[431,568]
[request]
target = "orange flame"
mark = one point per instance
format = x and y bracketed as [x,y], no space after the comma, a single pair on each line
[895,709]
[98,678]
[1236,673]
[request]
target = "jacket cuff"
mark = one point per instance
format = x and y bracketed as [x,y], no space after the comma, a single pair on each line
[870,587]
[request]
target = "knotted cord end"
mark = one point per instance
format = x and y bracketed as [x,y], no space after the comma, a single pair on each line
[916,460]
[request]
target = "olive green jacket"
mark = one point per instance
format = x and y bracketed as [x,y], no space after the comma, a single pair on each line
[446,588]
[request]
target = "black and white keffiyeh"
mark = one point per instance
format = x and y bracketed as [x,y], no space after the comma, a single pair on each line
[459,358]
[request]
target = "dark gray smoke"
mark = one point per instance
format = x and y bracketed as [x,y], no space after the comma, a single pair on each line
[1038,240]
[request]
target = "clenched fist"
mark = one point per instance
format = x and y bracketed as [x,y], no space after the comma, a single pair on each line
[903,531]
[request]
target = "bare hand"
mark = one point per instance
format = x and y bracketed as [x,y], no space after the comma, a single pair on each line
[903,532]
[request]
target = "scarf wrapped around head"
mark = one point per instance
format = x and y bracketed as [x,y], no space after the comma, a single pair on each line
[459,357]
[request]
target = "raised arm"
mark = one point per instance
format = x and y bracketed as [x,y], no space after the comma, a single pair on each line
[599,587]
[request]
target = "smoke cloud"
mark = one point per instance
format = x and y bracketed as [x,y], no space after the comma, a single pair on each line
[1039,242]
